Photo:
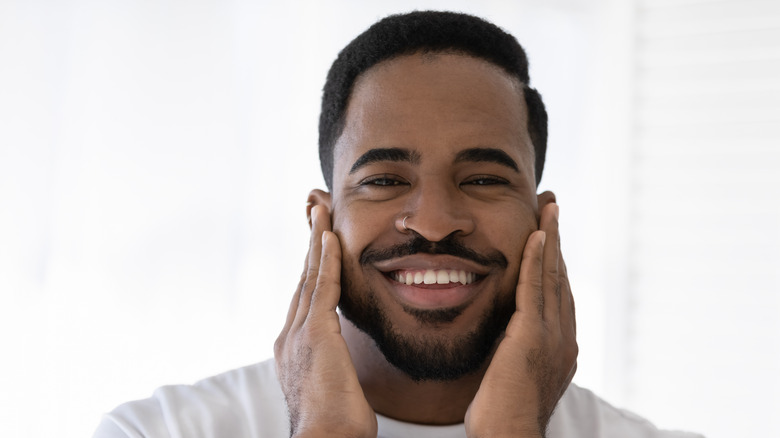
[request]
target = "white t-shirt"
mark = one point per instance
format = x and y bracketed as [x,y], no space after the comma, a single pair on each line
[249,403]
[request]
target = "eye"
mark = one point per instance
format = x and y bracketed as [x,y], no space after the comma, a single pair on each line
[383,181]
[484,180]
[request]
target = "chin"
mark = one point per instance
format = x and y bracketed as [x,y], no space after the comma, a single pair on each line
[431,344]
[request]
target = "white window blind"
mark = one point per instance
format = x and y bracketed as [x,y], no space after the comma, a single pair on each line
[704,225]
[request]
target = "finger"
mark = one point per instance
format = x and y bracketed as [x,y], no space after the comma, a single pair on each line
[552,284]
[320,223]
[568,310]
[530,298]
[281,340]
[326,294]
[568,320]
[296,298]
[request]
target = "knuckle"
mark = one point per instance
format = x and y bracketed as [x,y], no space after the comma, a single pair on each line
[553,281]
[309,284]
[327,278]
[323,278]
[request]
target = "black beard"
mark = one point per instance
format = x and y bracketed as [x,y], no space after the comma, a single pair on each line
[427,358]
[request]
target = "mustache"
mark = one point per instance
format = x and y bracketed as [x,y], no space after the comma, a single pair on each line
[420,245]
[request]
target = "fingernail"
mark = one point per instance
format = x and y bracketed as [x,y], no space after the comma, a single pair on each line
[556,211]
[544,237]
[324,237]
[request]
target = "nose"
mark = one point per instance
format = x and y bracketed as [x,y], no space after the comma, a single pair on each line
[436,211]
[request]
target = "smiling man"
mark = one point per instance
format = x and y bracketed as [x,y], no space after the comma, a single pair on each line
[456,316]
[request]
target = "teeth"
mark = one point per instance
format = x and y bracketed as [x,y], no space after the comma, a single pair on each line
[431,276]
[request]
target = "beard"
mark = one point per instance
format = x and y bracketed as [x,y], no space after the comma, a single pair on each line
[427,357]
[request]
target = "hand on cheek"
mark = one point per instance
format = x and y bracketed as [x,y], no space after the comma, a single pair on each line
[318,379]
[536,360]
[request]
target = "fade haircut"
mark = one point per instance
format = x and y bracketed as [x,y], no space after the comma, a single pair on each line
[425,32]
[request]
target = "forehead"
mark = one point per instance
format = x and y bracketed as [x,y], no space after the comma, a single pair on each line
[435,104]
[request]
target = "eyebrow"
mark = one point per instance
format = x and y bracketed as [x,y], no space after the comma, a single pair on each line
[385,154]
[491,155]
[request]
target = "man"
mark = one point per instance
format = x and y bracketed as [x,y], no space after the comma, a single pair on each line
[456,316]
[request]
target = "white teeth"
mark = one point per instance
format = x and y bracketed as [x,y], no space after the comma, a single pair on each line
[433,276]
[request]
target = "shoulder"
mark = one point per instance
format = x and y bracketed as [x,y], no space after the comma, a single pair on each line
[239,403]
[583,414]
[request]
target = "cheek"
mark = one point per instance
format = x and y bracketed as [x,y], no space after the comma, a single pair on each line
[349,237]
[509,230]
[359,227]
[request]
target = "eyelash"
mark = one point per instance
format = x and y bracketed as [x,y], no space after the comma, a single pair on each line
[485,181]
[382,181]
[392,181]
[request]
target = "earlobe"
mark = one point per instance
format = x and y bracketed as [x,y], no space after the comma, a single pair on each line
[317,197]
[545,198]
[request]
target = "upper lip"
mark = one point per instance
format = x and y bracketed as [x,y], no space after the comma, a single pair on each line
[430,261]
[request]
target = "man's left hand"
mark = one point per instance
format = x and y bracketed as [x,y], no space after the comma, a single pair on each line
[536,360]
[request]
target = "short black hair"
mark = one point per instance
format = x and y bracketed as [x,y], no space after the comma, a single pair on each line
[425,32]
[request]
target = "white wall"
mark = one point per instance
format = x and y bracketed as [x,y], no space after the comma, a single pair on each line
[155,158]
[705,229]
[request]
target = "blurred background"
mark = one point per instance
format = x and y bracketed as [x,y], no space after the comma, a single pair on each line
[155,158]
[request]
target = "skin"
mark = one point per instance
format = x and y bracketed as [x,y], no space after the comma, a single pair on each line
[432,107]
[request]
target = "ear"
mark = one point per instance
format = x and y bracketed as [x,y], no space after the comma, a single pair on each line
[545,198]
[542,199]
[317,197]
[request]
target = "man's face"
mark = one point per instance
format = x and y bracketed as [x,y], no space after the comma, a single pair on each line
[442,140]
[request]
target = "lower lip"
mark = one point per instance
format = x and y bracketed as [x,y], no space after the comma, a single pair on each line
[433,296]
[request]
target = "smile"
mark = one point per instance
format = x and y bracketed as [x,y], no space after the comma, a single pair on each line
[433,276]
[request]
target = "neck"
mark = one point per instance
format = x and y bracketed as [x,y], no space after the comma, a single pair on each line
[392,393]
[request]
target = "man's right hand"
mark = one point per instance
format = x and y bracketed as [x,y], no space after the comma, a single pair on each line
[323,394]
